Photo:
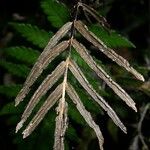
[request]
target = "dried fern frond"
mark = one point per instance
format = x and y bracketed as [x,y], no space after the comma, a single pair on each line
[101,20]
[39,66]
[86,115]
[61,126]
[103,75]
[49,81]
[51,51]
[82,28]
[51,100]
[83,81]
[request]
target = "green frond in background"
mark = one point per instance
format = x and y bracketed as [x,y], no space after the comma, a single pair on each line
[9,109]
[10,90]
[72,134]
[22,54]
[33,34]
[57,13]
[112,38]
[19,70]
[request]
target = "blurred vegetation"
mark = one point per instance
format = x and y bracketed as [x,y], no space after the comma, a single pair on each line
[26,27]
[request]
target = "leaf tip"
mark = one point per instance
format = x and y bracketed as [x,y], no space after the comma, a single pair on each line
[25,133]
[19,125]
[16,103]
[141,78]
[20,97]
[125,130]
[134,108]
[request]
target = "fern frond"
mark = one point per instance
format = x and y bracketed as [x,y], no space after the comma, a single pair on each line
[39,66]
[49,81]
[112,39]
[23,54]
[51,51]
[103,75]
[8,109]
[61,125]
[82,28]
[10,90]
[83,81]
[58,13]
[62,110]
[57,37]
[86,115]
[38,37]
[19,70]
[50,101]
[101,20]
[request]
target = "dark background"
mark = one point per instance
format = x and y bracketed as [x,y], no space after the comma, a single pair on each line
[129,17]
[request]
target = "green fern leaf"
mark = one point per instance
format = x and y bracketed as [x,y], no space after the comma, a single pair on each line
[8,109]
[38,37]
[15,69]
[72,134]
[9,90]
[22,54]
[111,39]
[58,13]
[75,115]
[89,104]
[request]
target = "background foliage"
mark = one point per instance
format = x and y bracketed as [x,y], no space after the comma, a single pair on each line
[128,18]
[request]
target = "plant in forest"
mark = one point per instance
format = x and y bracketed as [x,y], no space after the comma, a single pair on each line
[59,83]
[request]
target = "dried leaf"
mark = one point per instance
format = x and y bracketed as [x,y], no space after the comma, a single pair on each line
[83,81]
[61,125]
[65,79]
[51,100]
[58,36]
[86,115]
[62,110]
[101,20]
[49,81]
[39,66]
[82,28]
[52,50]
[102,74]
[48,53]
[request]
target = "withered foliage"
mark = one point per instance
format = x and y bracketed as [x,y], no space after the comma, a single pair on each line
[55,47]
